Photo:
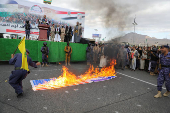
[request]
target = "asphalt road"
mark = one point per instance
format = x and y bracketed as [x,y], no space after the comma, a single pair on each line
[130,92]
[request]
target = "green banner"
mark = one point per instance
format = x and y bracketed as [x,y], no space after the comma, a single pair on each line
[56,50]
[48,1]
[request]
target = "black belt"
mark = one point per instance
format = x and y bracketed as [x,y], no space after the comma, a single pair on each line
[165,65]
[18,68]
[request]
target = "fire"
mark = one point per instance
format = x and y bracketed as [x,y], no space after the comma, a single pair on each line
[69,79]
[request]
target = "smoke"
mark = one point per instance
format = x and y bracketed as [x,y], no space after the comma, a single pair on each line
[109,13]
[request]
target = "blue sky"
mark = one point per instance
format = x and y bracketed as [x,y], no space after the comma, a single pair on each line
[152,17]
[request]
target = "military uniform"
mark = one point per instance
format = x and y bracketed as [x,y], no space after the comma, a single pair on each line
[16,77]
[164,76]
[68,51]
[164,72]
[62,34]
[45,51]
[52,33]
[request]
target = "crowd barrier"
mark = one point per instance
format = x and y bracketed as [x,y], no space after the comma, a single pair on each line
[56,50]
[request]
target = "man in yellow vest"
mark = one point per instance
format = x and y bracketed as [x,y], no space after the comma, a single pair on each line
[68,51]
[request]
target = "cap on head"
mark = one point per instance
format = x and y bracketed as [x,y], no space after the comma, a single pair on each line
[27,51]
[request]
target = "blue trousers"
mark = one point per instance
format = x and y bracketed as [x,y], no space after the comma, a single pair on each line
[15,80]
[44,59]
[27,32]
[163,77]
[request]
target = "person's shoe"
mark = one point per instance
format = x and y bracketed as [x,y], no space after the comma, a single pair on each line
[69,64]
[46,65]
[65,64]
[19,95]
[158,95]
[42,65]
[166,94]
[151,73]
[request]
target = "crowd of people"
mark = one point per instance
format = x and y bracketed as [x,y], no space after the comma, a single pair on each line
[139,58]
[59,31]
[20,18]
[129,57]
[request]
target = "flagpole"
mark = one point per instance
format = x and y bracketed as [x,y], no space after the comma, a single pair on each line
[15,50]
[19,44]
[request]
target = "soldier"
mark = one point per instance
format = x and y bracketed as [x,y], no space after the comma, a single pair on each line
[45,51]
[68,51]
[53,33]
[15,79]
[76,33]
[164,72]
[62,35]
[27,29]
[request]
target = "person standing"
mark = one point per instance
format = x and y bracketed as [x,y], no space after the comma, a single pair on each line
[68,51]
[88,53]
[62,35]
[44,20]
[147,61]
[76,33]
[27,29]
[142,60]
[66,39]
[122,56]
[164,72]
[15,79]
[48,32]
[95,53]
[53,30]
[45,51]
[80,31]
[134,55]
[103,60]
[70,33]
[154,59]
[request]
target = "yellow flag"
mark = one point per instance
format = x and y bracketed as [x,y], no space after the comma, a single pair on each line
[22,49]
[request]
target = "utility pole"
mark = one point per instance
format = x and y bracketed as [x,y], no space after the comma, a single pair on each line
[134,27]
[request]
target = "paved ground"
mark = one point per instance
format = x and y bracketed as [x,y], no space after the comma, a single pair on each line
[130,92]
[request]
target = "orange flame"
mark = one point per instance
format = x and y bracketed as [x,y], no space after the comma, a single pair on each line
[68,78]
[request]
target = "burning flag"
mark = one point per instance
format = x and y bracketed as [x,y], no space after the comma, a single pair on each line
[69,79]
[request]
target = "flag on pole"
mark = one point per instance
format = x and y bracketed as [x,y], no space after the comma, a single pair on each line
[22,49]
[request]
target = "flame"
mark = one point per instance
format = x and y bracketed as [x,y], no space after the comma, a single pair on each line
[69,79]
